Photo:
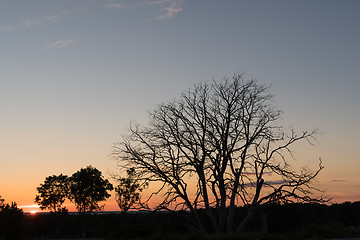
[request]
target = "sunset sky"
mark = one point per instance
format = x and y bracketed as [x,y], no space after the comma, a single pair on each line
[75,73]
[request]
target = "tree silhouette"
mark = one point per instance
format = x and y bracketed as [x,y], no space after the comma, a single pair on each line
[128,190]
[1,202]
[87,188]
[52,193]
[11,217]
[11,209]
[218,147]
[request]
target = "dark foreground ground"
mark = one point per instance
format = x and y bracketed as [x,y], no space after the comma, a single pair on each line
[293,221]
[105,239]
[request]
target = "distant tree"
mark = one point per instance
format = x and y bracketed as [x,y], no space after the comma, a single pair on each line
[11,220]
[10,209]
[87,188]
[53,192]
[1,202]
[219,146]
[128,190]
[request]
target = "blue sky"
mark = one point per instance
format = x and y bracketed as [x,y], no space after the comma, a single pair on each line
[75,73]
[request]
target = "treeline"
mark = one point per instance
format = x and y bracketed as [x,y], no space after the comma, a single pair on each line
[11,220]
[85,188]
[288,221]
[311,221]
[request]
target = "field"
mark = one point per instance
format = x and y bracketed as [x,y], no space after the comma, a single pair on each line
[293,221]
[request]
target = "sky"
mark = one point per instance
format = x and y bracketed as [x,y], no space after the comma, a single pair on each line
[75,73]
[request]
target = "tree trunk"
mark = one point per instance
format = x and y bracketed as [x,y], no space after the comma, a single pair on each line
[198,222]
[230,217]
[241,227]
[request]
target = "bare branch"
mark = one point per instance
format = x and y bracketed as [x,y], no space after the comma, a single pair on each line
[217,147]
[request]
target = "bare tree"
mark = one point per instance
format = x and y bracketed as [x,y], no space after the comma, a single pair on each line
[218,147]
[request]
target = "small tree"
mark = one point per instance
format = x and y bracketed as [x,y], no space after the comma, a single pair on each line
[11,220]
[87,188]
[1,202]
[11,209]
[128,190]
[52,193]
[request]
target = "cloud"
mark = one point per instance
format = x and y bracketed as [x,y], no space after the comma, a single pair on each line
[42,20]
[114,5]
[6,28]
[37,21]
[277,182]
[30,206]
[338,180]
[55,17]
[60,43]
[169,7]
[253,173]
[174,7]
[29,23]
[158,2]
[268,183]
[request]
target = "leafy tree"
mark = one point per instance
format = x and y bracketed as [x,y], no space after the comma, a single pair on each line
[11,209]
[87,188]
[52,193]
[219,146]
[11,220]
[128,190]
[1,202]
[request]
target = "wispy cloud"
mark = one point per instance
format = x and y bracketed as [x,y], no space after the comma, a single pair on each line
[42,20]
[253,173]
[277,182]
[60,43]
[268,183]
[114,5]
[6,28]
[338,180]
[168,7]
[30,206]
[174,7]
